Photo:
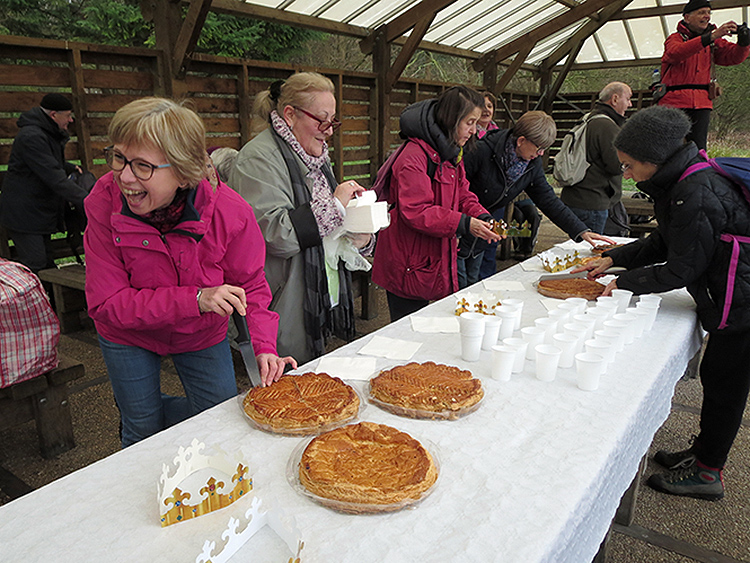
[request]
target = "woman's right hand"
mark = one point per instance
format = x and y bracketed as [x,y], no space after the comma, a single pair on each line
[482,229]
[222,300]
[346,191]
[595,268]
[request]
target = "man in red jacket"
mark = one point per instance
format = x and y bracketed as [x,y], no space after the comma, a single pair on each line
[687,60]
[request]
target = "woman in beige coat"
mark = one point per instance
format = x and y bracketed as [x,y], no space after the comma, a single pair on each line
[285,174]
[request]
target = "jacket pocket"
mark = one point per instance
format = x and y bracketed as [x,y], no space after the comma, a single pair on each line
[424,280]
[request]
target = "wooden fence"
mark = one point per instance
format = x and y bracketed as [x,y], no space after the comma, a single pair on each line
[101,79]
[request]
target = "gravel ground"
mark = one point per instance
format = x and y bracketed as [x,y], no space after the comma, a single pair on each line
[722,528]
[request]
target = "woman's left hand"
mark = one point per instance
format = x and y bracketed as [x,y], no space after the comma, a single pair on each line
[272,367]
[610,286]
[482,229]
[590,237]
[359,240]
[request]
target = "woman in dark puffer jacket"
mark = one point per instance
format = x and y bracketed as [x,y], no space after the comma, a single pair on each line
[691,248]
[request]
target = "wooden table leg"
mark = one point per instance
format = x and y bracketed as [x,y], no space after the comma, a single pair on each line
[626,511]
[53,423]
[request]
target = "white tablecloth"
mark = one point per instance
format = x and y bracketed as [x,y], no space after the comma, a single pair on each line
[534,475]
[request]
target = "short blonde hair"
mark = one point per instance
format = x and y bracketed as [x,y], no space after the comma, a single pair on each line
[177,131]
[297,90]
[538,127]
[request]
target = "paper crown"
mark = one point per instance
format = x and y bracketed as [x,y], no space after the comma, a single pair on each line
[239,530]
[557,260]
[200,483]
[477,303]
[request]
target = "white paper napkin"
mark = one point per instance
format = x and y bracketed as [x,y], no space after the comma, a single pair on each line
[533,264]
[390,348]
[435,324]
[550,303]
[503,285]
[347,368]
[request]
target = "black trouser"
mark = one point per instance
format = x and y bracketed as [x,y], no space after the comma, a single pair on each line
[34,251]
[700,119]
[399,307]
[725,375]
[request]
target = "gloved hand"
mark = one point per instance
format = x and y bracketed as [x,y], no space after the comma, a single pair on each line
[743,35]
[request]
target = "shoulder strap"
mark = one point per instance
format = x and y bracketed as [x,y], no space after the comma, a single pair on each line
[693,168]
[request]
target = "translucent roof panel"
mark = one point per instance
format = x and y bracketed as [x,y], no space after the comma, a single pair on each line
[481,26]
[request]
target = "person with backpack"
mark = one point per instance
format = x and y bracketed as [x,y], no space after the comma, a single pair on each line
[415,257]
[505,163]
[37,186]
[601,187]
[701,243]
[688,64]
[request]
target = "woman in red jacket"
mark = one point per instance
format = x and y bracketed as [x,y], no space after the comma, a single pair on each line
[415,258]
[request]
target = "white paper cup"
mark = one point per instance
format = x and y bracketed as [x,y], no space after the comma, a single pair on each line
[580,304]
[579,331]
[567,344]
[547,360]
[623,299]
[603,299]
[609,306]
[571,308]
[629,319]
[586,320]
[649,297]
[620,329]
[503,360]
[589,369]
[520,346]
[644,315]
[491,332]
[599,315]
[640,320]
[471,324]
[471,346]
[532,335]
[613,335]
[508,324]
[562,316]
[550,327]
[652,308]
[601,346]
[517,306]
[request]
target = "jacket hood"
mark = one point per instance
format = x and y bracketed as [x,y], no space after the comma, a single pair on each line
[418,121]
[36,116]
[609,111]
[669,173]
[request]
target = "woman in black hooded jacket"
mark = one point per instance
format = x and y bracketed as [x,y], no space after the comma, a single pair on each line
[698,216]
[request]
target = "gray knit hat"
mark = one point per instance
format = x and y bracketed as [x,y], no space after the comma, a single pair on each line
[653,134]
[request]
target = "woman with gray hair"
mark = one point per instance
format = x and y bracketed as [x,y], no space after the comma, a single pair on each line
[285,174]
[505,163]
[704,225]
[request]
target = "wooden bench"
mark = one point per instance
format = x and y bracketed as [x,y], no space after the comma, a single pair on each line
[637,206]
[68,288]
[43,399]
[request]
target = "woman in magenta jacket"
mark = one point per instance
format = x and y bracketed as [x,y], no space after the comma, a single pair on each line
[415,257]
[168,258]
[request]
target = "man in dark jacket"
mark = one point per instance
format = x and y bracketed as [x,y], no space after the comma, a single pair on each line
[504,163]
[601,187]
[36,186]
[694,245]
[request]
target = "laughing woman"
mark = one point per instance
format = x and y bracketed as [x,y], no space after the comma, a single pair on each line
[168,257]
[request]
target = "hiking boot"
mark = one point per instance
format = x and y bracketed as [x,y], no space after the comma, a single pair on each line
[696,481]
[675,460]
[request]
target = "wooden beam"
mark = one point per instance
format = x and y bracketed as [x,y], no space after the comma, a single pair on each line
[580,36]
[415,37]
[568,3]
[652,62]
[555,88]
[403,23]
[676,9]
[189,33]
[85,152]
[513,68]
[539,33]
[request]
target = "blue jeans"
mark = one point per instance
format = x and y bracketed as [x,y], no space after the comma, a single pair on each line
[594,219]
[206,375]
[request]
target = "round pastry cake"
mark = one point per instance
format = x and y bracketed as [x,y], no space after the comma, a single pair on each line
[427,390]
[367,464]
[301,404]
[571,287]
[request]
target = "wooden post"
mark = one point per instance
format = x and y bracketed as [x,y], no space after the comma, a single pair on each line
[338,141]
[381,62]
[246,113]
[85,152]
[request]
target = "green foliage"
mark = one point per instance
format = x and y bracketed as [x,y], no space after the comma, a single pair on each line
[234,37]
